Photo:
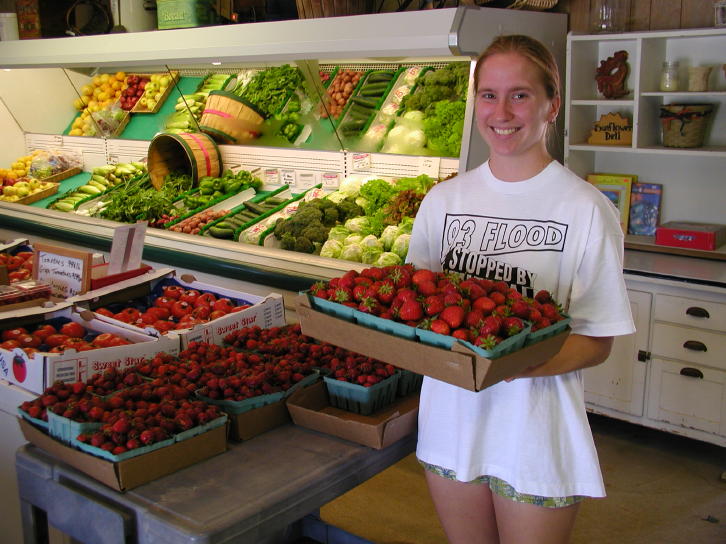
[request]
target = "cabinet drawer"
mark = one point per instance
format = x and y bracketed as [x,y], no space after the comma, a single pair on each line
[691,312]
[694,402]
[690,345]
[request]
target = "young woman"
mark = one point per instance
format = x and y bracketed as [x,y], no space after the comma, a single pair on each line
[511,463]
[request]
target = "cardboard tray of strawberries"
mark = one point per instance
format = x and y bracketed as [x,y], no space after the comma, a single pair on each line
[459,365]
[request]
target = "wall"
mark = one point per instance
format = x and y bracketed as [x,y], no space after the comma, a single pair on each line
[643,14]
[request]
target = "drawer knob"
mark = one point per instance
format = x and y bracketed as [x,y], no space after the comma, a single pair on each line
[695,345]
[692,372]
[695,311]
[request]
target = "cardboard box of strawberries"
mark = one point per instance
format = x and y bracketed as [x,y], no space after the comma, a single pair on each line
[471,332]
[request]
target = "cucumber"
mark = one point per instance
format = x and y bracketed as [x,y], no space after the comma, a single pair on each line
[353,124]
[276,200]
[89,189]
[358,114]
[377,77]
[63,206]
[256,207]
[219,232]
[382,86]
[364,101]
[226,224]
[375,92]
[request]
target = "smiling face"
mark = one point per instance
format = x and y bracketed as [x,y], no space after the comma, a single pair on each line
[512,115]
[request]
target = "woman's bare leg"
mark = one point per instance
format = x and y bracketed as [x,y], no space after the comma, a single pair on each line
[466,510]
[521,523]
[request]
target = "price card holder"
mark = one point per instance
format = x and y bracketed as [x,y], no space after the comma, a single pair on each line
[362,161]
[67,271]
[126,248]
[271,176]
[306,180]
[331,180]
[429,166]
[287,177]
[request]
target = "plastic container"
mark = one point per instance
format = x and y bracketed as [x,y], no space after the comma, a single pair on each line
[359,399]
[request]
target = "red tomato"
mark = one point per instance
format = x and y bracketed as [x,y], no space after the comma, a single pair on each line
[201,312]
[19,275]
[104,311]
[28,341]
[189,295]
[148,318]
[205,299]
[103,340]
[240,307]
[73,329]
[56,340]
[223,304]
[164,302]
[164,326]
[44,331]
[12,334]
[25,255]
[128,315]
[15,262]
[159,312]
[216,314]
[75,343]
[181,308]
[10,344]
[173,291]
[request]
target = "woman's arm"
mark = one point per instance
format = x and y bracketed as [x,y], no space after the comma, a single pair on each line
[577,352]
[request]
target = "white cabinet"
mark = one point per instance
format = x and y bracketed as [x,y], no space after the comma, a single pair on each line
[670,374]
[692,178]
[619,383]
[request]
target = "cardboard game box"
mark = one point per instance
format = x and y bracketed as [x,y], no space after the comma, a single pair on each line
[706,236]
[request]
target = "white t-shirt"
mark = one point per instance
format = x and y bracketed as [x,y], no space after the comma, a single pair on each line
[554,231]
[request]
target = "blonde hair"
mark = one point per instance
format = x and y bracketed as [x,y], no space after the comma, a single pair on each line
[531,49]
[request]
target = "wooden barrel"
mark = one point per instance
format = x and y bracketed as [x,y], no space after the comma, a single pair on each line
[230,119]
[192,153]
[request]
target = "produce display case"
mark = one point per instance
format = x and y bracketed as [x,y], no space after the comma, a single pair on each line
[392,41]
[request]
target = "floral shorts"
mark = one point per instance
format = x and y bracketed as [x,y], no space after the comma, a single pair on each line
[503,489]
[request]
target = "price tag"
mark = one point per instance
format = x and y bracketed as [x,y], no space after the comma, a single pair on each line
[112,159]
[272,176]
[68,272]
[58,140]
[331,179]
[361,161]
[305,180]
[429,166]
[287,177]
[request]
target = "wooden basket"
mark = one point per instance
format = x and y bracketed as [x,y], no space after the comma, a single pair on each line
[684,125]
[65,174]
[138,108]
[230,119]
[190,153]
[40,195]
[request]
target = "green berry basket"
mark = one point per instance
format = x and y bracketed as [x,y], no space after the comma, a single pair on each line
[66,430]
[409,382]
[35,421]
[104,454]
[359,399]
[547,332]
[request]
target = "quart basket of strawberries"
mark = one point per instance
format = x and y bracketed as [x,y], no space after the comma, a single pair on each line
[470,332]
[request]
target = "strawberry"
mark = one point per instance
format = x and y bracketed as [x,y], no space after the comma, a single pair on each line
[462,334]
[484,304]
[453,315]
[488,341]
[360,292]
[451,298]
[512,294]
[370,305]
[492,324]
[373,273]
[433,304]
[440,326]
[362,280]
[497,297]
[486,284]
[519,308]
[472,289]
[386,292]
[534,315]
[512,325]
[543,296]
[410,310]
[346,280]
[550,312]
[400,275]
[319,289]
[473,318]
[427,288]
[343,294]
[501,286]
[405,294]
[541,323]
[422,275]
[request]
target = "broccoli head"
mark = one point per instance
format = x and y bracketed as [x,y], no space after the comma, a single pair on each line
[287,241]
[304,245]
[315,233]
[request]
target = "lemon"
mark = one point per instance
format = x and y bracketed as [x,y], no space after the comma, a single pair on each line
[96,81]
[120,76]
[75,132]
[87,90]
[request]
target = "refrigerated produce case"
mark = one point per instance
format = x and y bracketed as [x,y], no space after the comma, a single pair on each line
[41,79]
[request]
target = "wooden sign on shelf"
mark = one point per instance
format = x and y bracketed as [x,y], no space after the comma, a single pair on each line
[612,129]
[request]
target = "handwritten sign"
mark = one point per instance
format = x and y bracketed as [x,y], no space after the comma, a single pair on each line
[362,161]
[288,177]
[67,271]
[272,176]
[331,179]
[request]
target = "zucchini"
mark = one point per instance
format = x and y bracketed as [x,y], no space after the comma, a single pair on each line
[381,86]
[353,124]
[363,101]
[374,92]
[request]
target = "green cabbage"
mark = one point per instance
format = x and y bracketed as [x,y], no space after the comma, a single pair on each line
[389,235]
[388,258]
[331,248]
[400,246]
[351,252]
[339,233]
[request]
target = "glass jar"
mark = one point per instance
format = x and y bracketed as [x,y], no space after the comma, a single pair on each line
[669,76]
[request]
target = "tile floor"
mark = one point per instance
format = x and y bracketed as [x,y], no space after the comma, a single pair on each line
[662,489]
